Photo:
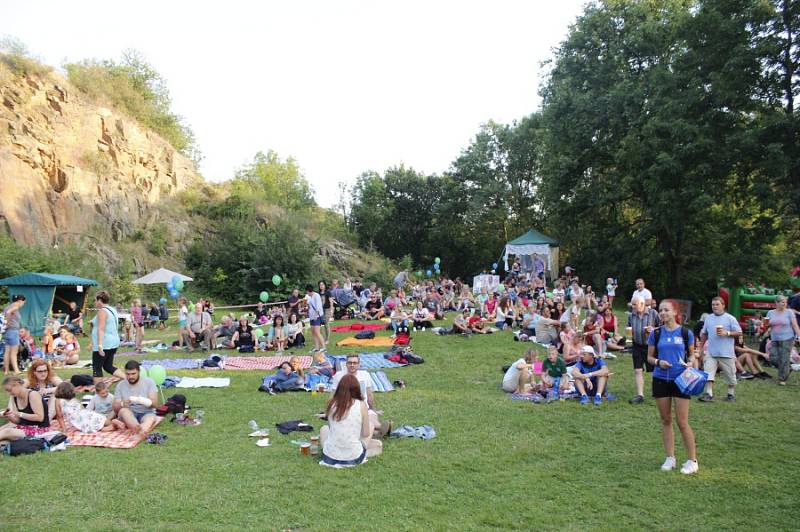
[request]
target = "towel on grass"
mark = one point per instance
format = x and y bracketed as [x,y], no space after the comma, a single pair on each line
[253,363]
[359,327]
[204,382]
[380,382]
[378,341]
[368,361]
[173,363]
[118,439]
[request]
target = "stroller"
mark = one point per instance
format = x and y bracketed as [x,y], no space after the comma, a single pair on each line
[344,300]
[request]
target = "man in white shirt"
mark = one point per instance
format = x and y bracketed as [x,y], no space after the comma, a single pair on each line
[641,292]
[353,363]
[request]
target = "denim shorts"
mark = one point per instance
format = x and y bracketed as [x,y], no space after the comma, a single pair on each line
[140,416]
[317,322]
[11,337]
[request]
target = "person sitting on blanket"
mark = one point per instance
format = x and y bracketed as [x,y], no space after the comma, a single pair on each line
[421,317]
[432,304]
[69,410]
[26,412]
[519,376]
[102,402]
[243,337]
[288,380]
[353,365]
[346,439]
[136,399]
[322,365]
[199,328]
[373,310]
[591,375]
[554,373]
[66,348]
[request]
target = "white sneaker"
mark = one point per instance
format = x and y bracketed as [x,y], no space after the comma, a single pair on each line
[423,328]
[689,467]
[669,464]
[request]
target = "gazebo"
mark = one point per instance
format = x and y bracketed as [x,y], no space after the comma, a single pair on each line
[534,243]
[161,276]
[45,293]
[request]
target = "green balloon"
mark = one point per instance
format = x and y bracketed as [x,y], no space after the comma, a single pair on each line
[419,273]
[276,280]
[437,260]
[179,285]
[158,374]
[264,297]
[259,332]
[142,372]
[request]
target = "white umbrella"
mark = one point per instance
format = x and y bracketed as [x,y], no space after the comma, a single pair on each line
[161,276]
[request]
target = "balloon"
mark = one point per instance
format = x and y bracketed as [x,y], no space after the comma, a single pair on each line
[264,297]
[162,300]
[276,280]
[174,294]
[178,285]
[436,267]
[259,332]
[429,273]
[494,265]
[437,260]
[158,374]
[419,273]
[493,272]
[142,372]
[170,286]
[175,279]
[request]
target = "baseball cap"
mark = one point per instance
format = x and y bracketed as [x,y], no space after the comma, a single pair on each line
[587,349]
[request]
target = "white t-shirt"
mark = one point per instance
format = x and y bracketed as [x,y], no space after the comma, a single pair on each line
[643,294]
[511,378]
[610,290]
[363,379]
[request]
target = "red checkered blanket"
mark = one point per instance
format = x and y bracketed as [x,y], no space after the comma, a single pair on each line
[261,363]
[118,439]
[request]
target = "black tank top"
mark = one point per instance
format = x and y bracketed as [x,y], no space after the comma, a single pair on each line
[29,410]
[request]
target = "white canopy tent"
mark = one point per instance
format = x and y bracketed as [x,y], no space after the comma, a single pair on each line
[531,244]
[161,276]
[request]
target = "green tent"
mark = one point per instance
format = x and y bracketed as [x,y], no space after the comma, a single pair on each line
[534,243]
[45,293]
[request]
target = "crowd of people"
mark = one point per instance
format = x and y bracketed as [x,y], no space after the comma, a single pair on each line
[577,327]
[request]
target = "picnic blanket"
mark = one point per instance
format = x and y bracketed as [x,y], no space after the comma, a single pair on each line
[253,363]
[380,382]
[378,341]
[204,382]
[173,363]
[532,397]
[359,327]
[118,439]
[368,361]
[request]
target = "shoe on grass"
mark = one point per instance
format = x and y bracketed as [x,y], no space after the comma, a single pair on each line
[689,467]
[730,398]
[598,400]
[764,375]
[745,375]
[669,464]
[584,399]
[706,398]
[781,383]
[637,400]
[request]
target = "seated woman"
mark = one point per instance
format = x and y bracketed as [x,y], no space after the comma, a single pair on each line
[288,380]
[69,410]
[504,315]
[748,359]
[593,332]
[448,300]
[278,339]
[559,310]
[347,438]
[243,337]
[42,379]
[465,299]
[294,332]
[491,307]
[26,412]
[546,328]
[572,350]
[421,317]
[399,319]
[615,342]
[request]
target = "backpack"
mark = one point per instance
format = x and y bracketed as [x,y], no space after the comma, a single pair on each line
[176,404]
[365,335]
[26,446]
[81,380]
[402,339]
[684,335]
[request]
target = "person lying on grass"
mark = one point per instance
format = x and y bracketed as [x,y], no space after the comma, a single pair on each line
[69,410]
[591,375]
[135,400]
[519,377]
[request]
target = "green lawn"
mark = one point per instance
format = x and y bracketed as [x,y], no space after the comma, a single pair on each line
[496,464]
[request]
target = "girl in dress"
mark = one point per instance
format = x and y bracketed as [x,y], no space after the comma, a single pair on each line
[69,410]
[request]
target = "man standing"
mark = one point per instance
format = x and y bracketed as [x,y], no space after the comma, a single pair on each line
[315,314]
[353,363]
[719,330]
[641,322]
[293,302]
[641,292]
[199,327]
[400,279]
[135,400]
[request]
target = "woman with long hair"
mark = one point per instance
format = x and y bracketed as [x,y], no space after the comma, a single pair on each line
[277,335]
[346,439]
[26,412]
[670,349]
[295,331]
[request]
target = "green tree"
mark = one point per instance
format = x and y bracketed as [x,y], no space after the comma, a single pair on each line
[279,181]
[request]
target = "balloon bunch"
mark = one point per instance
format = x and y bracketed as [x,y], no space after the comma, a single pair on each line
[436,268]
[264,295]
[494,268]
[174,287]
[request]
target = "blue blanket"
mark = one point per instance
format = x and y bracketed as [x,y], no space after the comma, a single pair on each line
[172,363]
[368,361]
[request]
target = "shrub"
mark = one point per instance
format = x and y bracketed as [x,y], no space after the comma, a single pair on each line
[15,55]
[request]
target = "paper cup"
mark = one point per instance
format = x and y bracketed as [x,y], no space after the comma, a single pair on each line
[305,449]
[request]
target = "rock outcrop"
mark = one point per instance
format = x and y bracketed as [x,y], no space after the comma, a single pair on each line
[69,167]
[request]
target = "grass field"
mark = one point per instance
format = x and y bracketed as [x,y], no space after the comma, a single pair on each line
[496,464]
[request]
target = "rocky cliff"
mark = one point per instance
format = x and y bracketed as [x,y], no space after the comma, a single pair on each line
[69,167]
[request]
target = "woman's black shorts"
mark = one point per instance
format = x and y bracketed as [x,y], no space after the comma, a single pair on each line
[103,363]
[664,388]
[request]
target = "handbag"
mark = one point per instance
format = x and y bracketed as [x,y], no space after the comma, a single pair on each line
[692,381]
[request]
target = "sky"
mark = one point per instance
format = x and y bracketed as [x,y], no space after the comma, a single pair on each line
[342,87]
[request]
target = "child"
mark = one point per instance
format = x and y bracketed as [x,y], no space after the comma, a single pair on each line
[611,290]
[163,316]
[47,343]
[68,350]
[87,421]
[483,298]
[554,376]
[103,401]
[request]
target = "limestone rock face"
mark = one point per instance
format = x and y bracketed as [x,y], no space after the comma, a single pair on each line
[69,167]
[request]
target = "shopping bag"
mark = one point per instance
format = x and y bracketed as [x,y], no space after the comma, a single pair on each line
[692,381]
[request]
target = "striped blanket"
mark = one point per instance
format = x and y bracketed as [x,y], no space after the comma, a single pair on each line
[118,439]
[261,363]
[173,363]
[368,361]
[380,382]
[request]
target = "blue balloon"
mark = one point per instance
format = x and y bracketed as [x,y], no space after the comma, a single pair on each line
[175,279]
[170,286]
[494,265]
[162,300]
[174,294]
[436,267]
[429,273]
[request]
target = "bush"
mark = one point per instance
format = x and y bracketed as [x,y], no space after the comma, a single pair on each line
[15,55]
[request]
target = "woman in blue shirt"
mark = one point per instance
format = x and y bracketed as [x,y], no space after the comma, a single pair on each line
[670,350]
